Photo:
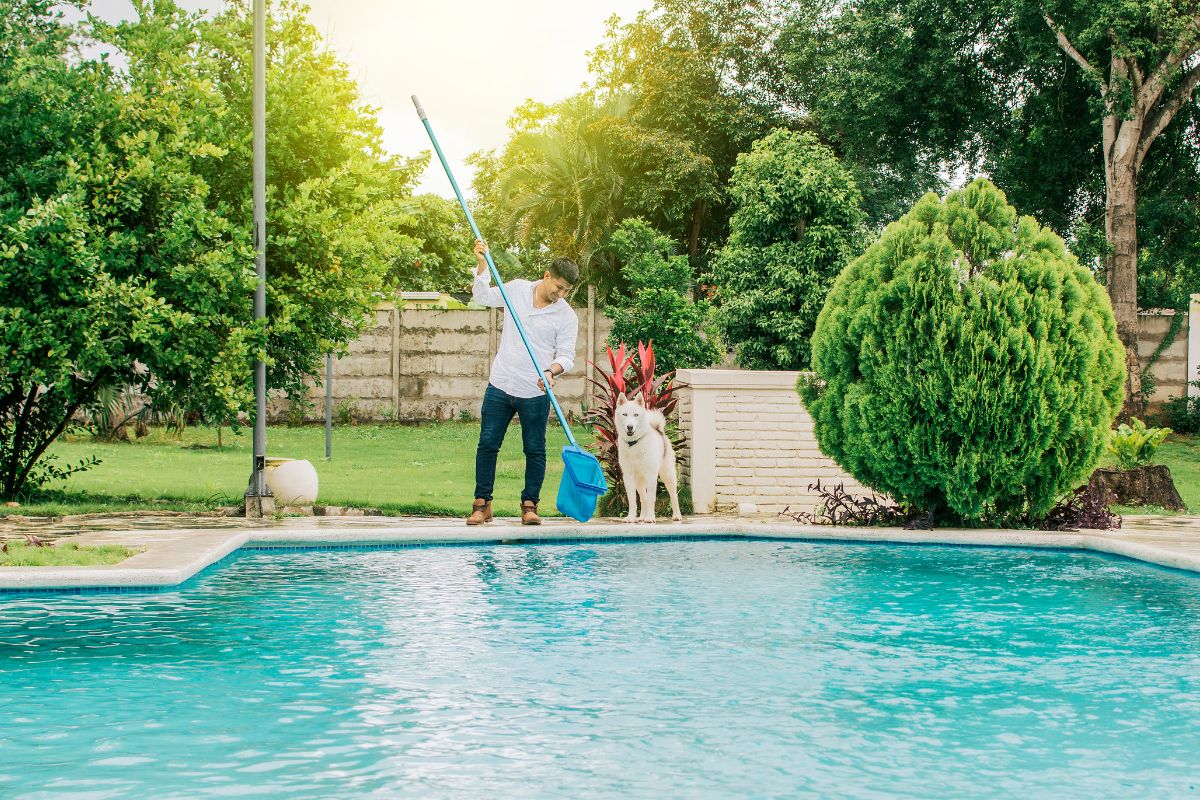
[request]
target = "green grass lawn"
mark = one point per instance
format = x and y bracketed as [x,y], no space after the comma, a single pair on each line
[425,469]
[400,469]
[63,555]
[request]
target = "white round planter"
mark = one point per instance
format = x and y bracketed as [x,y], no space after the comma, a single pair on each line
[292,481]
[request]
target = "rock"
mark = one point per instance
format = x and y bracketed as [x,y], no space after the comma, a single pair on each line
[298,511]
[12,504]
[345,511]
[1143,486]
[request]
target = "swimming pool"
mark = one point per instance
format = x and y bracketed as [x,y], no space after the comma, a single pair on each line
[665,669]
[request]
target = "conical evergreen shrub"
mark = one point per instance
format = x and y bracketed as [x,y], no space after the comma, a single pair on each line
[966,362]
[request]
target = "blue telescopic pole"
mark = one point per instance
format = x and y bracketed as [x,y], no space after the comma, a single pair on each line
[492,267]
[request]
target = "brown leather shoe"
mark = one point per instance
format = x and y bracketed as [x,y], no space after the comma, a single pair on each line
[481,512]
[529,515]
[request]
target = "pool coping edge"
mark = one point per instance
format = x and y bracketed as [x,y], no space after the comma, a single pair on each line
[171,557]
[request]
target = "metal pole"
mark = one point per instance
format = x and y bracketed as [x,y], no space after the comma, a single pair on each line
[258,486]
[328,406]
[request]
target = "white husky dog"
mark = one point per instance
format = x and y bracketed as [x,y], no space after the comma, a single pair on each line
[645,455]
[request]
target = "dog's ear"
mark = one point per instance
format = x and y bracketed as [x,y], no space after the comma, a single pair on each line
[640,401]
[622,399]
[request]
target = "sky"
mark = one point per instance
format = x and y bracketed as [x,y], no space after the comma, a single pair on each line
[471,62]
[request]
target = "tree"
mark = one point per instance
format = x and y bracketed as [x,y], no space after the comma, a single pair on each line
[105,224]
[699,75]
[677,94]
[438,252]
[797,222]
[966,364]
[657,307]
[556,188]
[1142,59]
[1061,101]
[338,205]
[126,256]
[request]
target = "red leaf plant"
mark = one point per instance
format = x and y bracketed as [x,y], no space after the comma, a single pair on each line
[631,374]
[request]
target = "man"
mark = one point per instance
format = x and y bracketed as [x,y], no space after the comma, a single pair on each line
[513,386]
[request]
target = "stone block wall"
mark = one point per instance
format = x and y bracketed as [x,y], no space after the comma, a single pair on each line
[416,365]
[424,364]
[1179,362]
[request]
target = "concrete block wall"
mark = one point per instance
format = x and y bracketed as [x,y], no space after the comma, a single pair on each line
[423,364]
[415,365]
[1178,364]
[750,443]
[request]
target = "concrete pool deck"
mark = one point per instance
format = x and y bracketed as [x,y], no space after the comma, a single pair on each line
[171,555]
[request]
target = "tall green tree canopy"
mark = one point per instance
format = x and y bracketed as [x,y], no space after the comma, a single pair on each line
[798,221]
[700,73]
[126,254]
[337,204]
[556,188]
[658,307]
[678,92]
[1083,111]
[437,247]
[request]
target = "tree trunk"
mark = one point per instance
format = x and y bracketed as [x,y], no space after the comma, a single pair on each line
[1138,109]
[1120,223]
[1143,486]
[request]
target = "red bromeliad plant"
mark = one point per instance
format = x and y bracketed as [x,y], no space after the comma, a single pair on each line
[631,375]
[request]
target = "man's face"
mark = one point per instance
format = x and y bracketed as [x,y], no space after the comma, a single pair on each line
[553,289]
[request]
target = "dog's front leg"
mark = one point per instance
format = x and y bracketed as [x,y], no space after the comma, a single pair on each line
[631,499]
[648,498]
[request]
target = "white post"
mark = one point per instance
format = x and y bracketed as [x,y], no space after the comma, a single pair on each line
[1193,350]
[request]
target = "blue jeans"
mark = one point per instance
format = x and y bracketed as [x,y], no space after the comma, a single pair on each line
[495,414]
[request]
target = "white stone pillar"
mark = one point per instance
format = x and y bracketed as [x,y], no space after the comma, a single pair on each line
[700,396]
[750,443]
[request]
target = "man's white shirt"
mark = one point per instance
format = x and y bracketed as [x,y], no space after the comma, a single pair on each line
[552,333]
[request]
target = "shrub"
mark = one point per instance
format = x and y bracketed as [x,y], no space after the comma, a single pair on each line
[656,307]
[1183,413]
[629,375]
[299,409]
[115,408]
[966,362]
[1134,446]
[346,412]
[796,224]
[1085,507]
[839,507]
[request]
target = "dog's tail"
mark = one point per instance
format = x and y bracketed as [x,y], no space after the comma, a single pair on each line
[659,423]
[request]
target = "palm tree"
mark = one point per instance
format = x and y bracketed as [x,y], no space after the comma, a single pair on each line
[563,189]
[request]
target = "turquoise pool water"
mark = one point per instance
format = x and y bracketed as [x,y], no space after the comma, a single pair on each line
[671,669]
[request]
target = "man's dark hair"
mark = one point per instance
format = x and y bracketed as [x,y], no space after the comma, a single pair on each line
[566,269]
